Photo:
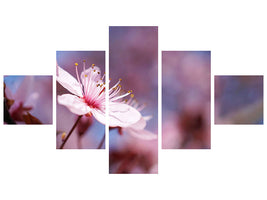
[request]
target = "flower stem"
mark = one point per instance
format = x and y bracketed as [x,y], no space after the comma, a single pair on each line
[102,141]
[72,129]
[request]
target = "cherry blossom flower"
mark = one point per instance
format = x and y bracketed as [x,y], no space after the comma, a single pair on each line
[138,129]
[88,97]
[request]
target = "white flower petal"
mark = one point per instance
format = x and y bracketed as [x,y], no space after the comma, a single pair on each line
[99,115]
[69,82]
[122,115]
[74,104]
[141,124]
[90,73]
[147,117]
[141,134]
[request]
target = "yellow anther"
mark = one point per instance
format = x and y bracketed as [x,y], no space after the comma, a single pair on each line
[101,85]
[83,60]
[129,91]
[97,85]
[94,70]
[63,136]
[76,64]
[120,79]
[126,100]
[93,65]
[119,85]
[88,114]
[85,75]
[132,95]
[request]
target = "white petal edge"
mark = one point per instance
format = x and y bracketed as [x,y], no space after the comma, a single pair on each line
[141,124]
[149,117]
[68,82]
[120,115]
[74,104]
[123,115]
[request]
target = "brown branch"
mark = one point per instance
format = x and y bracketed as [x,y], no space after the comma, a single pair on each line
[72,129]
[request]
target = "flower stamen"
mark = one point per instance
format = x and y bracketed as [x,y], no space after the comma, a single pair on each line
[77,74]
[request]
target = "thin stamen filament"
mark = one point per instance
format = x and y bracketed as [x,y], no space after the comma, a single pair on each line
[77,74]
[119,97]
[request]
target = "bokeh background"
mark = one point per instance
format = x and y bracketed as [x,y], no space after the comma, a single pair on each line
[133,56]
[186,99]
[238,99]
[89,132]
[33,92]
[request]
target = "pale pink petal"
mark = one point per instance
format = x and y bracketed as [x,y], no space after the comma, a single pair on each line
[99,115]
[8,93]
[147,117]
[15,107]
[25,89]
[122,115]
[74,104]
[93,73]
[141,124]
[69,82]
[32,99]
[141,134]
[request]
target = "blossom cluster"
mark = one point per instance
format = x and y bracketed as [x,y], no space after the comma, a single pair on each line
[89,98]
[27,99]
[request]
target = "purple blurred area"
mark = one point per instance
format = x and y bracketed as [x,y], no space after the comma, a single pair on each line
[186,99]
[29,94]
[89,132]
[134,58]
[238,99]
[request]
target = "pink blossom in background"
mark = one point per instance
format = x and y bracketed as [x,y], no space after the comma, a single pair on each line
[186,99]
[32,98]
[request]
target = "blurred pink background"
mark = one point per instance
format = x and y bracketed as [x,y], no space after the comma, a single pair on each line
[186,99]
[238,99]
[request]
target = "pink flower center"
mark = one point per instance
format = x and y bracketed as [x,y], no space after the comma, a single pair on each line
[93,88]
[91,103]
